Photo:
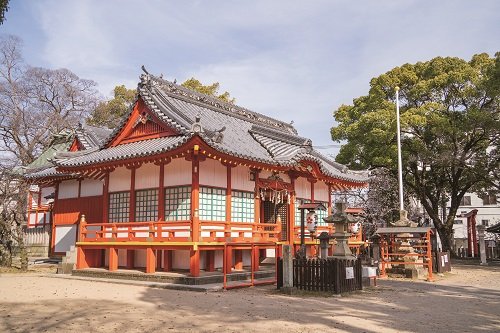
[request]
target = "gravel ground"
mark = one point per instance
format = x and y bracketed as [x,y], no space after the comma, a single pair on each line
[467,300]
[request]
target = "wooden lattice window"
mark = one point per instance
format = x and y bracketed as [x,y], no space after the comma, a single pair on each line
[299,202]
[320,214]
[271,213]
[212,204]
[242,206]
[119,207]
[178,203]
[146,205]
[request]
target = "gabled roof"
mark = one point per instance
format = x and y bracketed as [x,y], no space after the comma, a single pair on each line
[90,137]
[225,127]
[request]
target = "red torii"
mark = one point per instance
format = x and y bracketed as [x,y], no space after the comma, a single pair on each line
[471,233]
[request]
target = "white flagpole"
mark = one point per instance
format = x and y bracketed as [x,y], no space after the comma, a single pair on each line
[400,160]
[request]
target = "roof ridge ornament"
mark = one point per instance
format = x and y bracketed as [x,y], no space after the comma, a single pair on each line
[196,128]
[148,80]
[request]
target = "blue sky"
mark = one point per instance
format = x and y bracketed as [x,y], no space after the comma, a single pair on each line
[292,60]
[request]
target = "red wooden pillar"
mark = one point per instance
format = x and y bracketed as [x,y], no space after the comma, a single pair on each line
[131,211]
[113,259]
[228,201]
[210,261]
[81,260]
[130,259]
[54,220]
[161,194]
[194,264]
[229,259]
[105,198]
[291,214]
[238,259]
[167,260]
[159,259]
[257,197]
[150,260]
[256,258]
[312,181]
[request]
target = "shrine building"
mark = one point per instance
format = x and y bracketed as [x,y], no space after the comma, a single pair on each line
[185,182]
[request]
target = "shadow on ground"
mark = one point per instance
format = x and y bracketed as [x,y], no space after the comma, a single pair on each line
[402,306]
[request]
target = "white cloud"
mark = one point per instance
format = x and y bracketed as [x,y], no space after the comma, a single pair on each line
[293,60]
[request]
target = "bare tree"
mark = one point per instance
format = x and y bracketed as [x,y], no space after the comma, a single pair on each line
[36,103]
[12,216]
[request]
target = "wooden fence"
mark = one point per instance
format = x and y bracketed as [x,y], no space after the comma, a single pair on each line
[328,275]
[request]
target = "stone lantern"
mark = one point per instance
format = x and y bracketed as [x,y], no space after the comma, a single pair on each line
[341,220]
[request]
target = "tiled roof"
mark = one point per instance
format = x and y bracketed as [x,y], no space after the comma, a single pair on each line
[225,127]
[91,136]
[48,172]
[120,152]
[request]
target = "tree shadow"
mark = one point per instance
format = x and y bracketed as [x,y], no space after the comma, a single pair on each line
[396,305]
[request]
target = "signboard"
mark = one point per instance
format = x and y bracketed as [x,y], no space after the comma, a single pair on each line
[349,272]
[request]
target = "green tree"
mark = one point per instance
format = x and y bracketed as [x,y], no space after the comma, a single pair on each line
[210,89]
[4,8]
[450,124]
[110,112]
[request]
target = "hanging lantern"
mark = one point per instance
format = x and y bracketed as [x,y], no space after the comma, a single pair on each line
[355,227]
[311,222]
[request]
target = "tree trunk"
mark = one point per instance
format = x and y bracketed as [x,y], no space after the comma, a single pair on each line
[23,253]
[445,233]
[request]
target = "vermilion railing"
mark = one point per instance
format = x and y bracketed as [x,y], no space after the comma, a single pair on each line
[210,231]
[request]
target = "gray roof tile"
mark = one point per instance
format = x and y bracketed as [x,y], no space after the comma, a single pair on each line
[243,133]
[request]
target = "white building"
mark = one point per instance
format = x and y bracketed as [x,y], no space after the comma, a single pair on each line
[488,214]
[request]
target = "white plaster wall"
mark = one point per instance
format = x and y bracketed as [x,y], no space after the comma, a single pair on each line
[302,188]
[40,218]
[68,189]
[119,180]
[247,258]
[180,259]
[147,176]
[240,179]
[213,173]
[270,253]
[91,187]
[140,258]
[65,237]
[45,192]
[177,172]
[32,218]
[122,257]
[219,259]
[321,192]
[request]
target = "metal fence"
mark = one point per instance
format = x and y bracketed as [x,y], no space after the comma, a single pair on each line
[328,275]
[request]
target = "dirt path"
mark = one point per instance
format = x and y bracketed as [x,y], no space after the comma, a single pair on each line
[466,301]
